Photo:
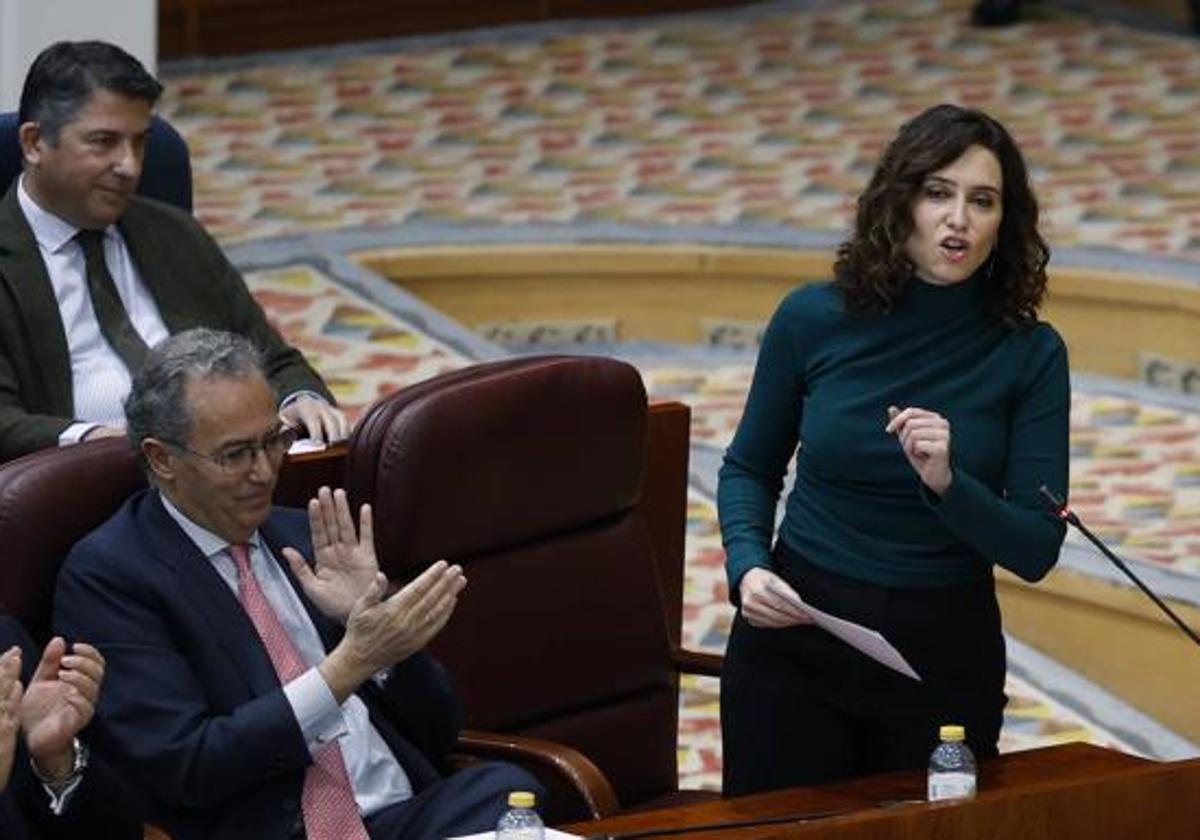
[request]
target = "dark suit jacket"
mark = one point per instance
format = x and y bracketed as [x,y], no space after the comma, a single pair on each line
[186,273]
[192,707]
[99,807]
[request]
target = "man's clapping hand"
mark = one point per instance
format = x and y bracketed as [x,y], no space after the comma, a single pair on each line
[381,633]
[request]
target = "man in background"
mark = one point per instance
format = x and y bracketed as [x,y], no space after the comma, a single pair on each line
[91,275]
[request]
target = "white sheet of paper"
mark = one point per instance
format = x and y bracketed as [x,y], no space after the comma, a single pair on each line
[871,642]
[303,445]
[551,834]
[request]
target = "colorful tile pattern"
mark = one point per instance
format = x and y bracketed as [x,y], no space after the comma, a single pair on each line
[775,118]
[1136,478]
[363,351]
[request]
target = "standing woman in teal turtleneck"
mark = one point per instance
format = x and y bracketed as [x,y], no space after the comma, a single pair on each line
[925,406]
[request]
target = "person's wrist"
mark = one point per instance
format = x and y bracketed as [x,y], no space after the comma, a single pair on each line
[741,589]
[61,767]
[749,576]
[343,671]
[939,484]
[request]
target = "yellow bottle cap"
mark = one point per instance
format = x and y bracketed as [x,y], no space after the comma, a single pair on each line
[521,799]
[952,733]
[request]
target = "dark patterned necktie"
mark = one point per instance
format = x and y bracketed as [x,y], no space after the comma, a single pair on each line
[110,312]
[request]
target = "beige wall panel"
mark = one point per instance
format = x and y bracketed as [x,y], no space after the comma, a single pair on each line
[664,291]
[1109,319]
[1114,636]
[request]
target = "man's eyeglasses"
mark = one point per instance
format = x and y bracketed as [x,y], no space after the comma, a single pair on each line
[239,459]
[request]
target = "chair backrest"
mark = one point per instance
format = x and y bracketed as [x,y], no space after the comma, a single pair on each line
[52,498]
[48,500]
[529,473]
[166,175]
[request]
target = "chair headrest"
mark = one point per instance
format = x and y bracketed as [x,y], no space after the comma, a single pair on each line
[497,454]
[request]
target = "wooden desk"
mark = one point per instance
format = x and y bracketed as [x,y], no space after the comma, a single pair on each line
[302,474]
[1056,793]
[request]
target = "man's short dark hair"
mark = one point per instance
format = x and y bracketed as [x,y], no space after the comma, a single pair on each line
[64,76]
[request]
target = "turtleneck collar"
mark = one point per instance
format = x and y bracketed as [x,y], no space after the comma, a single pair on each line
[948,299]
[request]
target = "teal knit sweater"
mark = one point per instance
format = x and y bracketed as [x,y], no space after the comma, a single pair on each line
[824,380]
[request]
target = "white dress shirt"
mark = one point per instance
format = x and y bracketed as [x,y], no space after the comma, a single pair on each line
[100,382]
[377,778]
[99,379]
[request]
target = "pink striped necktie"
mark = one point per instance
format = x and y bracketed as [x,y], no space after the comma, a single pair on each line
[330,812]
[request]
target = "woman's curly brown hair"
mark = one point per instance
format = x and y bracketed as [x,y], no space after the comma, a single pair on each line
[872,268]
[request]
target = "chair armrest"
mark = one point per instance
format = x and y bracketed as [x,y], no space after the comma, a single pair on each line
[567,763]
[695,662]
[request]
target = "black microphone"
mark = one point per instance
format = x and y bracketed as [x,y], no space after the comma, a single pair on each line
[1067,515]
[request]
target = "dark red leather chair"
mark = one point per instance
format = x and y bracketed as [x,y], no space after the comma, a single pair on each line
[533,475]
[50,499]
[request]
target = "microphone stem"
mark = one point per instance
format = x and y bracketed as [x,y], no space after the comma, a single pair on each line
[1070,516]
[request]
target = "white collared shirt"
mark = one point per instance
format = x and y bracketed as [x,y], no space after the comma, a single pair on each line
[377,778]
[99,379]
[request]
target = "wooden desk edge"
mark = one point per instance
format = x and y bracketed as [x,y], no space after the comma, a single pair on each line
[879,797]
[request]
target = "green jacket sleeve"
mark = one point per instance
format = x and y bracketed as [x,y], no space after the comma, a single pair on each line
[751,476]
[1015,529]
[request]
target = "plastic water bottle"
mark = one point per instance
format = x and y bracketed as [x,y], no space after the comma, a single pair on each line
[951,767]
[520,821]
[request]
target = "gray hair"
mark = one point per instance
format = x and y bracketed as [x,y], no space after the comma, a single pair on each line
[157,404]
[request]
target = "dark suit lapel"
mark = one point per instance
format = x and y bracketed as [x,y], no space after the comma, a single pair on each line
[24,275]
[209,595]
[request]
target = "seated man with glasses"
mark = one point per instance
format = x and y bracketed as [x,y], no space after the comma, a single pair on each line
[239,458]
[253,693]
